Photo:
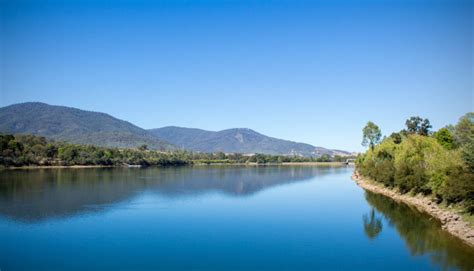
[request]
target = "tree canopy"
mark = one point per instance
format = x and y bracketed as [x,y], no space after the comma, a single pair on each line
[417,125]
[441,164]
[24,150]
[371,135]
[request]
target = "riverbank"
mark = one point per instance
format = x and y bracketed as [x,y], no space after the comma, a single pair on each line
[48,167]
[192,164]
[313,163]
[451,221]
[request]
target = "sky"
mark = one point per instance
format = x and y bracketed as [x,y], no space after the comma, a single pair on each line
[307,71]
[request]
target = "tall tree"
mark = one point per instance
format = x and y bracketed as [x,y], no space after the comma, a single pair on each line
[464,129]
[417,125]
[371,135]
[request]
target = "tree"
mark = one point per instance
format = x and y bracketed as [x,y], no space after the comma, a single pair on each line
[51,150]
[444,137]
[143,147]
[464,129]
[5,140]
[417,125]
[441,165]
[324,158]
[371,135]
[396,137]
[467,152]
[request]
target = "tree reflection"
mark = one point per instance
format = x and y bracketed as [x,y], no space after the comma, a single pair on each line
[422,234]
[372,225]
[31,195]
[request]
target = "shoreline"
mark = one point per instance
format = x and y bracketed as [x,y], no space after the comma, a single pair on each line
[313,164]
[196,164]
[52,167]
[451,221]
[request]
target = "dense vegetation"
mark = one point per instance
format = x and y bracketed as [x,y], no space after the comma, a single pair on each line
[417,160]
[24,150]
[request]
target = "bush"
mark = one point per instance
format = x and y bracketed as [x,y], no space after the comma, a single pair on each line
[379,163]
[442,165]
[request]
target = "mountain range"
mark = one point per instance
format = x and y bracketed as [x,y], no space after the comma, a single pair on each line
[87,127]
[237,140]
[75,126]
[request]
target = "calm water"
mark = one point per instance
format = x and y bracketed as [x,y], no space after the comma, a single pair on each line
[212,218]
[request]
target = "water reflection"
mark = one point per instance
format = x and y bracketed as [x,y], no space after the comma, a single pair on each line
[372,224]
[32,195]
[422,234]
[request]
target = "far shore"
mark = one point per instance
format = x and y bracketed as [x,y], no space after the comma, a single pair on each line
[195,164]
[451,220]
[73,166]
[313,164]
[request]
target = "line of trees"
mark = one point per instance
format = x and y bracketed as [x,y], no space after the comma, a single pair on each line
[416,159]
[25,150]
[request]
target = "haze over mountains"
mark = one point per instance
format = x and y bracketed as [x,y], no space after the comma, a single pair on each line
[87,127]
[237,140]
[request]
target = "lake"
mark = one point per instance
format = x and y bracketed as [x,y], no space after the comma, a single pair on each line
[213,218]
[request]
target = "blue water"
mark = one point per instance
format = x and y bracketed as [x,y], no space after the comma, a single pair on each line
[213,218]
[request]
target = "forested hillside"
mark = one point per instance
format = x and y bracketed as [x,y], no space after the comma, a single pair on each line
[75,126]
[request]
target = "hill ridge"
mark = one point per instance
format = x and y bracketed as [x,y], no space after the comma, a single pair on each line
[75,125]
[98,128]
[237,140]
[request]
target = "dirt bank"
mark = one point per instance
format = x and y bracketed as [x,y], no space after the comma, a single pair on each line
[451,221]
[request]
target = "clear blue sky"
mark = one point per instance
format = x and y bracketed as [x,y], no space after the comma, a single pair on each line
[310,71]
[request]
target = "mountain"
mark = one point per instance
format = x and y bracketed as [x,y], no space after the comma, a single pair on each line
[75,125]
[87,127]
[239,140]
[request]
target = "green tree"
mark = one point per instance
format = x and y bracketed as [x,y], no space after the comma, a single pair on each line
[51,150]
[396,137]
[324,158]
[417,125]
[4,140]
[464,129]
[467,154]
[441,165]
[444,137]
[371,135]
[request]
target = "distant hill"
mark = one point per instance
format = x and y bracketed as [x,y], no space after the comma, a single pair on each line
[87,127]
[239,140]
[75,125]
